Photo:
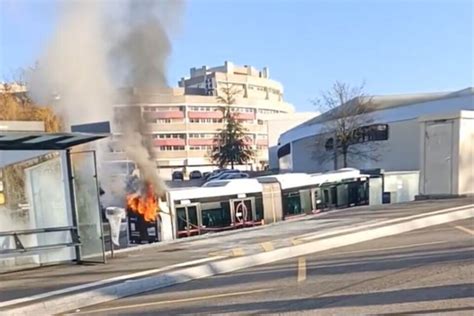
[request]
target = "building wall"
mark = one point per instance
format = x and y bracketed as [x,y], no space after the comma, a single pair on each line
[394,114]
[183,125]
[278,124]
[399,152]
[466,155]
[447,153]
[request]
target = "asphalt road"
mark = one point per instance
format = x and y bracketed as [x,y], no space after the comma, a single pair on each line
[427,271]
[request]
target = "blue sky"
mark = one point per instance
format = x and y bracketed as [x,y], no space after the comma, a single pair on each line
[395,46]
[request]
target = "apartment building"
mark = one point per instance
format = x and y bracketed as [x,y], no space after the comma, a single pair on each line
[184,121]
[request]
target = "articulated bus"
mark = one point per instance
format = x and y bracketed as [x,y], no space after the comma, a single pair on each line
[238,203]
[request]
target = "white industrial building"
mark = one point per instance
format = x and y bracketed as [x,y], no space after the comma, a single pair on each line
[410,121]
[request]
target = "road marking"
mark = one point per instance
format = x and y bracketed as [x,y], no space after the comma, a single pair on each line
[183,300]
[391,248]
[465,229]
[296,242]
[238,252]
[267,246]
[218,253]
[107,281]
[301,269]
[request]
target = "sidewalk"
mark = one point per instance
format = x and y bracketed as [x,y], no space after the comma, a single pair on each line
[207,248]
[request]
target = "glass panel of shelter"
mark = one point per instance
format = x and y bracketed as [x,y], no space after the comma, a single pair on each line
[88,212]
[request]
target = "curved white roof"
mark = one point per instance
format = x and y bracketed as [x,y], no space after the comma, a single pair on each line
[218,188]
[288,180]
[394,108]
[295,180]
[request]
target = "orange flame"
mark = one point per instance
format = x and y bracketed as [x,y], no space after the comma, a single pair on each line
[146,205]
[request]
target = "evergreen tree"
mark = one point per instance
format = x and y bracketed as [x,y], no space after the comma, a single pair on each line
[231,146]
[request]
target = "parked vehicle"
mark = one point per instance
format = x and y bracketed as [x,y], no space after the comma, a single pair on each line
[215,172]
[240,175]
[196,174]
[219,174]
[206,175]
[177,175]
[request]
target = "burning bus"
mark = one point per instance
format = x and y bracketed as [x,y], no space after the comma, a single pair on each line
[142,206]
[239,203]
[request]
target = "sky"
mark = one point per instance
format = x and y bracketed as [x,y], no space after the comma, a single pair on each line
[394,46]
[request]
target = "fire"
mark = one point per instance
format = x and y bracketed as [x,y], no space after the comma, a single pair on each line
[145,205]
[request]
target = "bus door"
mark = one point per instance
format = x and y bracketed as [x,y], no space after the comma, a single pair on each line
[243,212]
[188,220]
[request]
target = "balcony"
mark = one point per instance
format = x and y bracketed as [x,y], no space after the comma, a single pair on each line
[201,142]
[204,115]
[171,154]
[166,127]
[204,127]
[169,142]
[244,116]
[164,115]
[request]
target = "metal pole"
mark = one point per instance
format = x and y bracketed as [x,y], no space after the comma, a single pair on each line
[70,183]
[111,242]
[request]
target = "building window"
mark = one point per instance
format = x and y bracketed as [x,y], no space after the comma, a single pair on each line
[205,120]
[160,108]
[166,121]
[329,145]
[171,148]
[203,108]
[260,122]
[266,111]
[370,133]
[202,135]
[262,147]
[242,110]
[168,136]
[284,150]
[206,148]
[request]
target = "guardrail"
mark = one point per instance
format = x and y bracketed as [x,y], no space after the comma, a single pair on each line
[20,248]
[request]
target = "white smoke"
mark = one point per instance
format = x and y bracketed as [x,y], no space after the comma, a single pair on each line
[98,47]
[72,73]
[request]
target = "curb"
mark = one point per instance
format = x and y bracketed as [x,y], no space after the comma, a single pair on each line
[133,287]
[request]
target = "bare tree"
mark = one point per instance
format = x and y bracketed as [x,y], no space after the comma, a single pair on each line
[347,128]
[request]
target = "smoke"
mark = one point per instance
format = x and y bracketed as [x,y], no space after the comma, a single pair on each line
[98,47]
[72,73]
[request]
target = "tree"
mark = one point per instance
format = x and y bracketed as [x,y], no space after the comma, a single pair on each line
[16,106]
[231,146]
[346,125]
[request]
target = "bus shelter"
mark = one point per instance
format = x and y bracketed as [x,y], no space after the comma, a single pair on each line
[49,200]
